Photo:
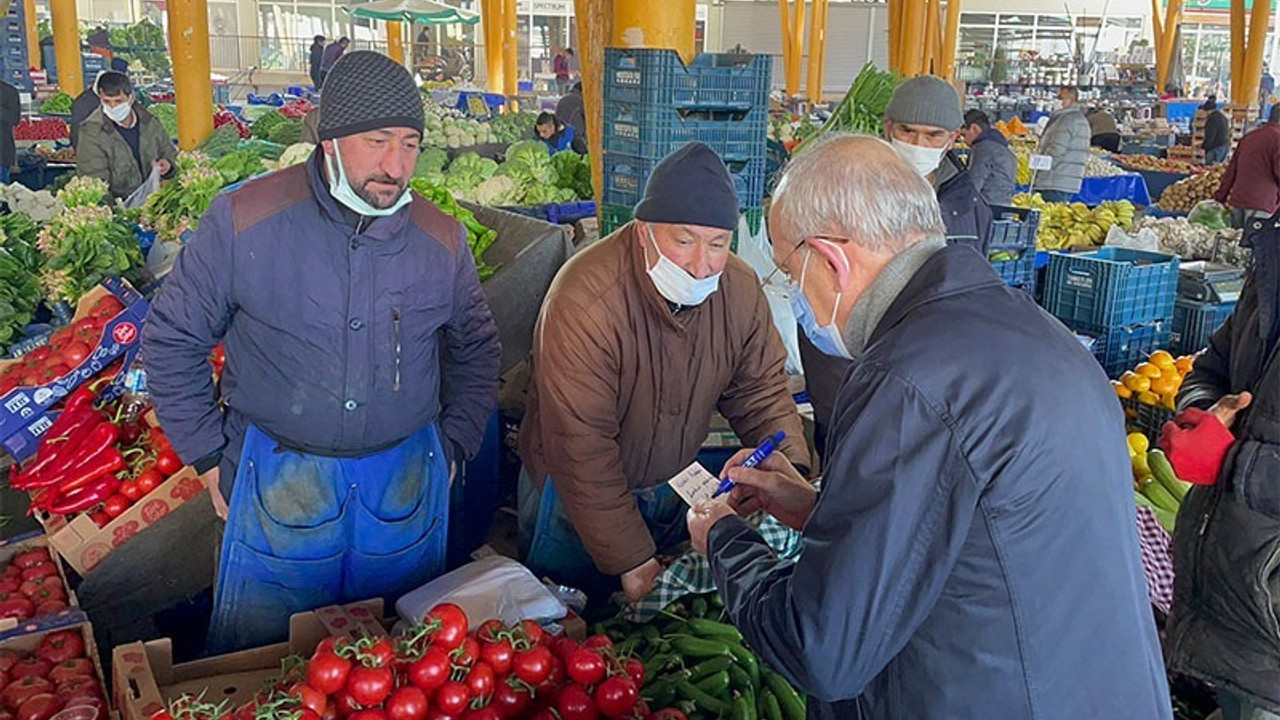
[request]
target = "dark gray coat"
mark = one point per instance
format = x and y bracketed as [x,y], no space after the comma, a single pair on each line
[1226,599]
[993,168]
[10,116]
[972,553]
[333,337]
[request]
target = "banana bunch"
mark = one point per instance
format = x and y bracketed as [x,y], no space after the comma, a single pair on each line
[1154,482]
[1024,168]
[1067,225]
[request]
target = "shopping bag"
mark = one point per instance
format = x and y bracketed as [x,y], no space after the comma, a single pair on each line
[757,251]
[138,197]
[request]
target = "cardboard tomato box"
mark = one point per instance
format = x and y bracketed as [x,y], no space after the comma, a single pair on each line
[26,639]
[14,546]
[145,678]
[23,406]
[83,544]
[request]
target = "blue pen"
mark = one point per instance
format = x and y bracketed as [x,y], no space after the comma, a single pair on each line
[765,450]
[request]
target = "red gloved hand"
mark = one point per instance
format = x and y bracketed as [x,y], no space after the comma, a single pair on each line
[1196,443]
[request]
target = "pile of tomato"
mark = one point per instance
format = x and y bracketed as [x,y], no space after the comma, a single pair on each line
[67,348]
[441,669]
[57,676]
[41,129]
[30,586]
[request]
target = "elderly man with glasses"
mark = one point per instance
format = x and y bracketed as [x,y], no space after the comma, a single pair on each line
[971,552]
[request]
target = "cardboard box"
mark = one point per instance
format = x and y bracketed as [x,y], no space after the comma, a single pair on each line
[25,639]
[145,678]
[20,544]
[83,544]
[22,407]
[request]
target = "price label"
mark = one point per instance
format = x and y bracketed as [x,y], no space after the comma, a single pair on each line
[477,106]
[1040,162]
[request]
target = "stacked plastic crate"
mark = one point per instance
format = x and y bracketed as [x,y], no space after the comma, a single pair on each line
[1121,298]
[1013,246]
[654,104]
[13,48]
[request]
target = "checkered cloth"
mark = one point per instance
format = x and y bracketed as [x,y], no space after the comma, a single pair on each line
[690,574]
[1156,560]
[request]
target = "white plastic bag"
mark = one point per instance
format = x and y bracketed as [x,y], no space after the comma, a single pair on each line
[493,587]
[757,251]
[138,197]
[1146,239]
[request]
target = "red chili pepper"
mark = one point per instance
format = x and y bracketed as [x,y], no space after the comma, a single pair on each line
[106,462]
[100,438]
[86,497]
[57,453]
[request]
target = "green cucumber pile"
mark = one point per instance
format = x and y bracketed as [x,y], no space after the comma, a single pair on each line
[698,664]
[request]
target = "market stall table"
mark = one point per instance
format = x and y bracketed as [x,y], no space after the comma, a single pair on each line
[1131,187]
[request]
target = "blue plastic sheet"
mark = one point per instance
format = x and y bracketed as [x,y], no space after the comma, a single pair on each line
[1131,187]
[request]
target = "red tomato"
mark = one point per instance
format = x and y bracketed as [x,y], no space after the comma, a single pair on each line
[383,651]
[480,680]
[115,506]
[38,571]
[68,669]
[489,630]
[450,625]
[328,673]
[344,704]
[564,646]
[310,698]
[437,714]
[30,667]
[585,667]
[431,670]
[32,558]
[616,697]
[9,586]
[63,645]
[532,631]
[370,686]
[48,607]
[79,688]
[407,703]
[488,712]
[452,697]
[76,352]
[43,588]
[369,715]
[467,653]
[39,707]
[17,607]
[533,665]
[108,304]
[510,701]
[574,703]
[598,641]
[498,655]
[131,490]
[8,658]
[100,518]
[167,462]
[634,670]
[19,690]
[39,355]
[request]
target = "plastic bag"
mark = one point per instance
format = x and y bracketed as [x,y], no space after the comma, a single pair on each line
[138,197]
[1146,239]
[1210,214]
[757,251]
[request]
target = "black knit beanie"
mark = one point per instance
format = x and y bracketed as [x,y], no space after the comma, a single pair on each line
[366,91]
[691,186]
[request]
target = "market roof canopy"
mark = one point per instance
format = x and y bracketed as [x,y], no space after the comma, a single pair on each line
[425,12]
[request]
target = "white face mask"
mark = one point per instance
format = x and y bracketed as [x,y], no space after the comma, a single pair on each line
[118,113]
[921,159]
[342,191]
[677,285]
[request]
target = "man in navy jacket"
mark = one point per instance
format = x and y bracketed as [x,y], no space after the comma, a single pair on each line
[971,551]
[362,363]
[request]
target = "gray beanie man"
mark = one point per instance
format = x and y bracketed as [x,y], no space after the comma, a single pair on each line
[926,100]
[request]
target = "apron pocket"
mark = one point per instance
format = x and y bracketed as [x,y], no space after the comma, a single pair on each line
[391,574]
[263,590]
[295,499]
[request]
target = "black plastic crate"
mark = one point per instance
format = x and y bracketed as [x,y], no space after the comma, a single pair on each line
[1194,323]
[1111,287]
[625,177]
[655,131]
[659,78]
[1146,418]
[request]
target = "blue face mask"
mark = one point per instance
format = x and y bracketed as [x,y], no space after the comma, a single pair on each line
[827,338]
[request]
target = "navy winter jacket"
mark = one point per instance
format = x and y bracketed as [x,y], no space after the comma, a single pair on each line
[334,338]
[973,552]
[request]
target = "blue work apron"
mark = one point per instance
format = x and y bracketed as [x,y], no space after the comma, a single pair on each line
[305,531]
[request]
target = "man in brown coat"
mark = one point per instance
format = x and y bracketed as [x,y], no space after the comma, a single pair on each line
[641,338]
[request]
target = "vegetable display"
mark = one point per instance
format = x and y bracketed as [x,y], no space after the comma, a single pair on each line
[66,349]
[37,205]
[57,676]
[167,114]
[295,154]
[1183,195]
[262,127]
[513,127]
[41,129]
[286,133]
[862,109]
[58,103]
[223,140]
[142,42]
[449,128]
[85,243]
[30,586]
[479,237]
[1179,236]
[1066,225]
[528,177]
[698,665]
[178,205]
[20,262]
[444,667]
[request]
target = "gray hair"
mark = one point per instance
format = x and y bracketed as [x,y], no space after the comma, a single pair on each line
[856,186]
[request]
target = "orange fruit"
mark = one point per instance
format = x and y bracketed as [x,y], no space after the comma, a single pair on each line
[1135,382]
[1170,402]
[1147,369]
[1183,364]
[1121,391]
[1163,360]
[1148,398]
[1164,385]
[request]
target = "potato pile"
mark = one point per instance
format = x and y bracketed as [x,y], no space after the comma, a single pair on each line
[1183,195]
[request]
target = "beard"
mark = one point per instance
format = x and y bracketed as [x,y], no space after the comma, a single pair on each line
[380,200]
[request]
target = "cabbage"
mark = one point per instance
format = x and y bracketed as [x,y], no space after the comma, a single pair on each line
[295,155]
[431,159]
[471,162]
[497,190]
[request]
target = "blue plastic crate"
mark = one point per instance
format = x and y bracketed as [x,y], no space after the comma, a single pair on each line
[570,212]
[1014,228]
[625,177]
[1194,323]
[1020,273]
[654,131]
[659,78]
[1111,287]
[1121,348]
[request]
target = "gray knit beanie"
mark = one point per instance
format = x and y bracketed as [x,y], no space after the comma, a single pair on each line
[366,91]
[926,100]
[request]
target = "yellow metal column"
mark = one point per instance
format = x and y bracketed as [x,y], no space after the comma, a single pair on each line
[66,46]
[950,39]
[895,35]
[647,24]
[932,37]
[1237,44]
[817,49]
[1253,54]
[395,41]
[33,38]
[491,19]
[1169,36]
[913,39]
[594,19]
[192,84]
[784,7]
[510,50]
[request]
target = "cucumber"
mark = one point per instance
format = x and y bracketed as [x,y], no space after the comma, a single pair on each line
[1165,475]
[713,630]
[706,668]
[1160,497]
[769,707]
[690,646]
[716,684]
[748,661]
[701,699]
[793,708]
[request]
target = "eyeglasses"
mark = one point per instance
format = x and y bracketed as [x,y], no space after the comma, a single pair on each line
[784,290]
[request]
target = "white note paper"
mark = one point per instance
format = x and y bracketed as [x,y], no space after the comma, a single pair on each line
[695,484]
